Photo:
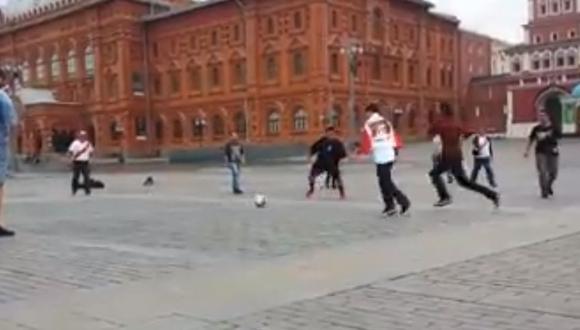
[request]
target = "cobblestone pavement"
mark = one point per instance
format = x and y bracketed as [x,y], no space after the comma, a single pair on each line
[535,287]
[189,221]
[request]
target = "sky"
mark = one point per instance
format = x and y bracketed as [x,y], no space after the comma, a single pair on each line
[499,18]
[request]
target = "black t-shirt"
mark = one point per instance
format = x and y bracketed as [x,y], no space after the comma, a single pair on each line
[329,151]
[546,138]
[234,152]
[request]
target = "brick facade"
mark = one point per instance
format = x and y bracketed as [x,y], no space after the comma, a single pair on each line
[186,76]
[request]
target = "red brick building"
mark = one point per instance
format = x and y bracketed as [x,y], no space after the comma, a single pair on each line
[540,75]
[149,76]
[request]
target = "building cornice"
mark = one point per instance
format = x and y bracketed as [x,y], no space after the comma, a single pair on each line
[60,9]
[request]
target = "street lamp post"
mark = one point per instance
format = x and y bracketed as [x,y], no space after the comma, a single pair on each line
[352,52]
[200,124]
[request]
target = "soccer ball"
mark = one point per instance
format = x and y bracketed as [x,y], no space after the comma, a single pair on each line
[260,201]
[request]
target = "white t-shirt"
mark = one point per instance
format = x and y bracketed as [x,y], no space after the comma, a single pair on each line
[382,139]
[484,147]
[82,150]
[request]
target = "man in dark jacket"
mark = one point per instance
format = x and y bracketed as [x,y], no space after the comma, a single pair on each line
[451,134]
[326,154]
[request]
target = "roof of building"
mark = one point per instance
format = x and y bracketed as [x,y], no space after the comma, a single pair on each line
[446,17]
[199,5]
[179,11]
[49,10]
[544,46]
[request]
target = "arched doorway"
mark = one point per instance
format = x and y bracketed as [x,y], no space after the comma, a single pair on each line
[553,107]
[550,101]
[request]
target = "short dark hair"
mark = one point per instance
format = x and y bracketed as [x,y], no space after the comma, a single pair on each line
[3,75]
[373,107]
[446,110]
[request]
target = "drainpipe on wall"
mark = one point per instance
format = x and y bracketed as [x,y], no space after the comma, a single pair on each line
[146,87]
[242,8]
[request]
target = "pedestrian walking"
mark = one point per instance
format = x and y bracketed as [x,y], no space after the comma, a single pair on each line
[382,144]
[482,157]
[436,156]
[235,157]
[325,157]
[451,134]
[8,120]
[80,152]
[545,136]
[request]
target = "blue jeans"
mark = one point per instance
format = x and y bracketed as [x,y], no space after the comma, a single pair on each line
[478,163]
[235,169]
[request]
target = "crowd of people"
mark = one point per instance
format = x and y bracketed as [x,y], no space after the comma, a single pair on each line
[379,140]
[382,142]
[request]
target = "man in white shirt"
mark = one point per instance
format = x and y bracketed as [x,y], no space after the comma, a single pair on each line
[382,146]
[482,157]
[80,152]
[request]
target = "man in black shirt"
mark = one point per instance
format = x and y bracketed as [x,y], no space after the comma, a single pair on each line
[235,157]
[546,137]
[326,154]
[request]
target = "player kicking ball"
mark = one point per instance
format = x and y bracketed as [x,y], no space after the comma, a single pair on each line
[325,156]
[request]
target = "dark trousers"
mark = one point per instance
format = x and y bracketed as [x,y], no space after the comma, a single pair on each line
[478,163]
[547,165]
[389,189]
[81,168]
[333,172]
[455,166]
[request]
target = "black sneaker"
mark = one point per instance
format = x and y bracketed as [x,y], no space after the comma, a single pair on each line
[443,202]
[238,192]
[389,212]
[6,233]
[496,201]
[550,191]
[405,209]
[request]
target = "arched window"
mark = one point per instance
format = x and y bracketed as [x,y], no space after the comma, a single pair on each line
[571,56]
[270,26]
[516,65]
[536,62]
[297,20]
[560,59]
[271,67]
[300,120]
[40,68]
[89,62]
[334,118]
[177,129]
[194,72]
[273,123]
[547,60]
[71,64]
[218,126]
[198,126]
[159,129]
[299,65]
[114,131]
[377,24]
[240,124]
[55,67]
[25,72]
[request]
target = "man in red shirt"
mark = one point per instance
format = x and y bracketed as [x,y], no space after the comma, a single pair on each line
[451,134]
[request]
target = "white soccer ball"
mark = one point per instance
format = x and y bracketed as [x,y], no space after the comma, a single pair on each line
[260,201]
